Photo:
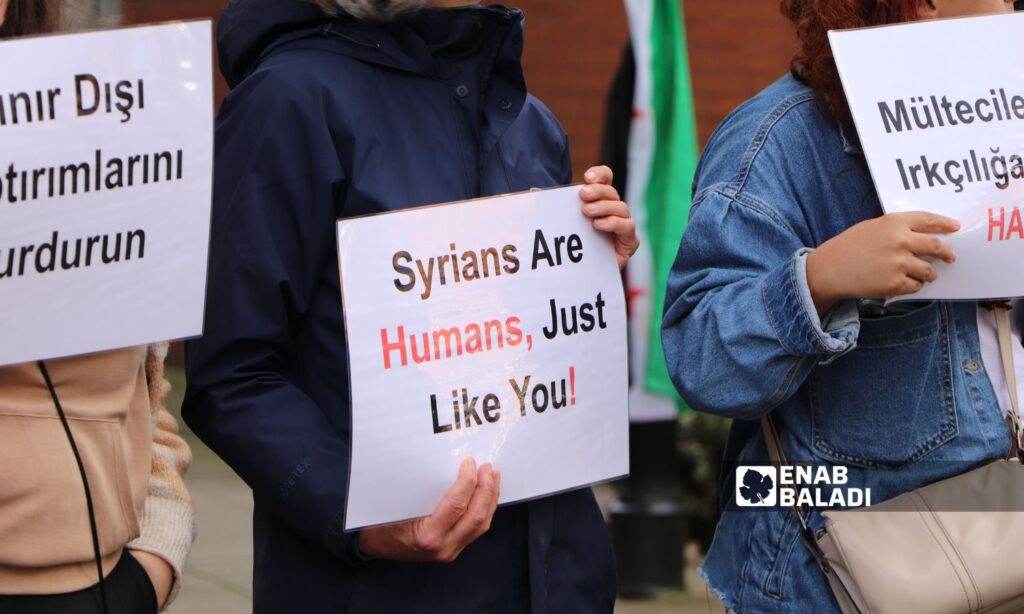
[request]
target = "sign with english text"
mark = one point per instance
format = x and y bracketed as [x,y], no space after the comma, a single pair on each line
[493,329]
[939,109]
[106,158]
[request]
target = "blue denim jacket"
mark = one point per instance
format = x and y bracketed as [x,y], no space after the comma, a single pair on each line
[902,400]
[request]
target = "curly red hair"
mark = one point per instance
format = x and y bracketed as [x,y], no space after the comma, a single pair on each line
[814,64]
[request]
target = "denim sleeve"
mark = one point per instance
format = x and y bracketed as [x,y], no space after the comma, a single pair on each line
[741,333]
[795,318]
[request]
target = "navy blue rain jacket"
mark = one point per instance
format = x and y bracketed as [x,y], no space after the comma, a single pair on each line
[330,119]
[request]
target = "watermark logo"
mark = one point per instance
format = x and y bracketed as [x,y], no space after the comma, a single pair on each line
[756,486]
[788,486]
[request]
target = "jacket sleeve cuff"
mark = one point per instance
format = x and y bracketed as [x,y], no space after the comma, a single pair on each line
[344,545]
[794,317]
[167,529]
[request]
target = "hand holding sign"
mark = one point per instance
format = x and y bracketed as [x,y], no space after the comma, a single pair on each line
[944,132]
[610,214]
[879,258]
[460,519]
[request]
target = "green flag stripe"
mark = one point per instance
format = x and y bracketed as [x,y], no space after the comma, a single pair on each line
[672,167]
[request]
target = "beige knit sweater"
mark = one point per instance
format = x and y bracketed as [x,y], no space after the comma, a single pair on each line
[135,459]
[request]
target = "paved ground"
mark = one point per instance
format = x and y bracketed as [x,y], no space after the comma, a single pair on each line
[219,573]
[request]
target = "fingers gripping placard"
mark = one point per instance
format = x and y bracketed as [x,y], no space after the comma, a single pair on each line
[492,329]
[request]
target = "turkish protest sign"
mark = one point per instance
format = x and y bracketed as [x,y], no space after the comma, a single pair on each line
[939,109]
[493,329]
[106,157]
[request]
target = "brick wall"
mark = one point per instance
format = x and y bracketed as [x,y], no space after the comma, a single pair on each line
[573,48]
[737,47]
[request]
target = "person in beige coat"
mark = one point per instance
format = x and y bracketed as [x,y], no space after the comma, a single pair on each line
[135,460]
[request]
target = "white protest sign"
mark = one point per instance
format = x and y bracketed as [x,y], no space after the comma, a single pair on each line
[493,329]
[106,157]
[939,108]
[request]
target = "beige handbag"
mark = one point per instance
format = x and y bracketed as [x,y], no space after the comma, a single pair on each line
[909,555]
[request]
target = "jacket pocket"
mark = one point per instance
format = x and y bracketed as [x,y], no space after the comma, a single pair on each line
[890,401]
[45,521]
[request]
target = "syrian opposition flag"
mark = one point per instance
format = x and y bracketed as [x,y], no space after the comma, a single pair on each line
[662,157]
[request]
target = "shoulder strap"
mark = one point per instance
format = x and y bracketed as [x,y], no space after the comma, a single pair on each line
[1005,332]
[777,456]
[771,439]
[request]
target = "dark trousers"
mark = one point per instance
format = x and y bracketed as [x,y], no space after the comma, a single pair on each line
[129,591]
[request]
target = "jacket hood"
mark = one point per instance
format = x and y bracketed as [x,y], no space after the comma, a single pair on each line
[249,27]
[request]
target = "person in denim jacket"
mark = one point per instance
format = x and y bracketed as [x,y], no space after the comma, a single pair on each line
[768,311]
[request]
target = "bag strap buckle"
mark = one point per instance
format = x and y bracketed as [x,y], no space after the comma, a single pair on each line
[1005,332]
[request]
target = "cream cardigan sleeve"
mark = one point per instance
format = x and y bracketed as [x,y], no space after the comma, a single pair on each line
[168,523]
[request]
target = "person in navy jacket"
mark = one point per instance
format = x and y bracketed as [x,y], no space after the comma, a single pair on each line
[343,108]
